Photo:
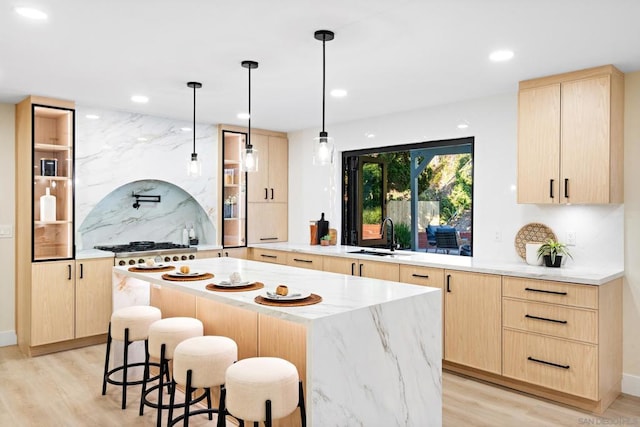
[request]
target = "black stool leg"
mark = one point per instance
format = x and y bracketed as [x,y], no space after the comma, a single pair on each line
[172,400]
[222,411]
[303,412]
[187,398]
[106,362]
[208,391]
[161,387]
[267,421]
[125,378]
[145,376]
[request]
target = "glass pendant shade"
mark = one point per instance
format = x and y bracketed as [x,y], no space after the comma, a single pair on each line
[194,167]
[323,149]
[250,160]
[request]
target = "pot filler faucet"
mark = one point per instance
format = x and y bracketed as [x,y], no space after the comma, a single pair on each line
[392,245]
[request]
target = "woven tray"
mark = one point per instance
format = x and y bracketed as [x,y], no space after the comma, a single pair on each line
[250,287]
[205,276]
[531,233]
[151,270]
[310,300]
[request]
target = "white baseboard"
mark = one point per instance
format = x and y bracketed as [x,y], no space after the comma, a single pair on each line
[8,338]
[631,384]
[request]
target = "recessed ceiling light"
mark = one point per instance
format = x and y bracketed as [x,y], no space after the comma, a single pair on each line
[186,129]
[370,135]
[142,139]
[338,93]
[501,55]
[140,99]
[243,116]
[463,125]
[31,13]
[92,116]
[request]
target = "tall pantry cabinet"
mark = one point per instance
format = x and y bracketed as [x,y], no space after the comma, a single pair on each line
[61,303]
[570,138]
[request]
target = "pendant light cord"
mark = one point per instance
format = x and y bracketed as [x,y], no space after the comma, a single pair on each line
[194,119]
[249,128]
[323,82]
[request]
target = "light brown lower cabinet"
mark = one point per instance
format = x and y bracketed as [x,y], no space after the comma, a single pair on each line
[70,300]
[240,252]
[473,320]
[311,262]
[269,255]
[363,268]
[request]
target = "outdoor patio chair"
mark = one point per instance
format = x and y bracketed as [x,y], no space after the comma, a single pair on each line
[447,240]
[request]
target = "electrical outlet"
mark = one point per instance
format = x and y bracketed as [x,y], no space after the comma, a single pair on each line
[571,238]
[6,231]
[497,236]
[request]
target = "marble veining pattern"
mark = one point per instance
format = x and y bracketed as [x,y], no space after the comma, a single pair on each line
[120,148]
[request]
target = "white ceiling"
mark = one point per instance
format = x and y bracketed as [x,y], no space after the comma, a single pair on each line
[391,56]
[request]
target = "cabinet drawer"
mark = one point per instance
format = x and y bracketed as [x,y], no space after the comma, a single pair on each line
[560,365]
[268,255]
[313,262]
[425,276]
[556,320]
[553,292]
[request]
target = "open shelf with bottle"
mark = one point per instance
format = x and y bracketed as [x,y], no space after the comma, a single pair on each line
[234,196]
[52,191]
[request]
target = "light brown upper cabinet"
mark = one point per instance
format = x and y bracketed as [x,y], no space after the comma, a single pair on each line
[269,183]
[570,138]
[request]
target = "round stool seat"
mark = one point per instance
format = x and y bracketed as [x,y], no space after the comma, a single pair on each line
[251,382]
[171,332]
[136,318]
[208,358]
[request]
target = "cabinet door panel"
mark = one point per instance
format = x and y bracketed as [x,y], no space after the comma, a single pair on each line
[93,296]
[379,270]
[473,321]
[539,144]
[312,262]
[52,307]
[424,276]
[339,265]
[585,140]
[268,222]
[278,167]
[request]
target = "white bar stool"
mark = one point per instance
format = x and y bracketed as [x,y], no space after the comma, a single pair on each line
[200,362]
[261,389]
[128,324]
[164,336]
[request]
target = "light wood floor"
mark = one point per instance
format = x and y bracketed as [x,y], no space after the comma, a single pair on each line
[64,389]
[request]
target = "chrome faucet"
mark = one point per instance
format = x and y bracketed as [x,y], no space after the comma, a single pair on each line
[393,233]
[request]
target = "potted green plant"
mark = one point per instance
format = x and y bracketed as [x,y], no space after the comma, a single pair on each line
[551,251]
[324,240]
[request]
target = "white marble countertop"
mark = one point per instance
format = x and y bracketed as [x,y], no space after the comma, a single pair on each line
[596,275]
[340,293]
[93,253]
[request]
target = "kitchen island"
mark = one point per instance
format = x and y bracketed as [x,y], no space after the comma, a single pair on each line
[369,354]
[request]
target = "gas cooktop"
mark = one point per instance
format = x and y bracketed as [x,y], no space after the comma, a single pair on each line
[142,248]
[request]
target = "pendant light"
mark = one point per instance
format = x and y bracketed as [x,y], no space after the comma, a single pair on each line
[323,146]
[194,168]
[250,154]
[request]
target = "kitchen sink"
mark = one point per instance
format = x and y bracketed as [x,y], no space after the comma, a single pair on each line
[375,253]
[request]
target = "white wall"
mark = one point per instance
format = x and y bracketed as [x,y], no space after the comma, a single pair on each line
[631,296]
[7,217]
[493,122]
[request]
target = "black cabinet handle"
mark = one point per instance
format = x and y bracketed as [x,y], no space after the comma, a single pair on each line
[544,362]
[68,271]
[226,254]
[266,193]
[268,256]
[272,194]
[528,316]
[551,188]
[360,270]
[353,268]
[545,291]
[308,261]
[422,276]
[219,254]
[448,283]
[268,238]
[81,271]
[566,188]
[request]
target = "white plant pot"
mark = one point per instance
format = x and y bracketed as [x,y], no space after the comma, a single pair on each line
[531,252]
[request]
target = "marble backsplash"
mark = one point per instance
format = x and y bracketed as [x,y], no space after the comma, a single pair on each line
[122,152]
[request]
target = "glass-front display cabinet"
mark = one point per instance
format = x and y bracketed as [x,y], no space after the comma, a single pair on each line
[53,173]
[234,191]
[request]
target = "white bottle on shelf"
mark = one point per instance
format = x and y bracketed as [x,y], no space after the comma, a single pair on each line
[185,236]
[48,207]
